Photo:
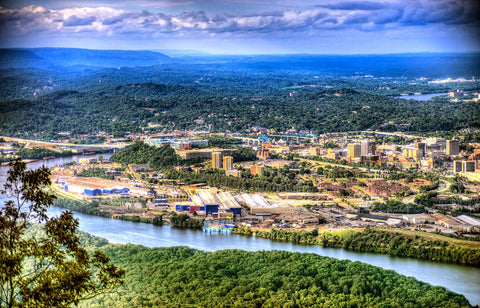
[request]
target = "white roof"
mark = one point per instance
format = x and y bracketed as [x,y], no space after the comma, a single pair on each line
[469,220]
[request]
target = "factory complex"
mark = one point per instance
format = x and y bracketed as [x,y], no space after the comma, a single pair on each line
[98,187]
[245,207]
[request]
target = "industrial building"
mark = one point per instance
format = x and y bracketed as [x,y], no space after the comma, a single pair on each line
[210,204]
[178,144]
[99,187]
[258,205]
[229,203]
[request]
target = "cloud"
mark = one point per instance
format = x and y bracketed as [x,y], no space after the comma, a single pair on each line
[361,15]
[357,5]
[74,21]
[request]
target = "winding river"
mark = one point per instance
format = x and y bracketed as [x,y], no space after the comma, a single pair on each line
[460,279]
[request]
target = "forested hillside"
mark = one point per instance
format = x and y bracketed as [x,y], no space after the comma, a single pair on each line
[228,93]
[129,108]
[184,277]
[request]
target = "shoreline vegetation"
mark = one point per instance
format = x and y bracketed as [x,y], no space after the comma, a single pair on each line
[92,208]
[412,244]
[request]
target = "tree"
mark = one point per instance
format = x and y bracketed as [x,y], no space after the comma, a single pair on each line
[49,269]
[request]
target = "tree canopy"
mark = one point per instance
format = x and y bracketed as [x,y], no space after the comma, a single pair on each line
[184,277]
[50,268]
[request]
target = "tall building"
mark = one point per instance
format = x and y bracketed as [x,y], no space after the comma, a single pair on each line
[257,170]
[354,150]
[260,170]
[217,160]
[468,166]
[420,147]
[457,166]
[463,166]
[228,162]
[367,147]
[453,147]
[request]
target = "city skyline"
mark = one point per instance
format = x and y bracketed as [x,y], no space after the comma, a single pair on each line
[244,27]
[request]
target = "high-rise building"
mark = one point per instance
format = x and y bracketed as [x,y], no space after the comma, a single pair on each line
[216,160]
[228,162]
[453,147]
[420,147]
[354,150]
[367,147]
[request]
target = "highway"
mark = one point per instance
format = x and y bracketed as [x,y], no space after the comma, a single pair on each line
[73,145]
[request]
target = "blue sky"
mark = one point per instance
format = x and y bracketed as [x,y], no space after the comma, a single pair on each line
[245,26]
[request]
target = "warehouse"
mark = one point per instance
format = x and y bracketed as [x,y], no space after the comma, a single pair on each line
[209,201]
[258,205]
[228,203]
[97,187]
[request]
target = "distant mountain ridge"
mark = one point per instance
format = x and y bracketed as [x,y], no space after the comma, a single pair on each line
[44,57]
[430,65]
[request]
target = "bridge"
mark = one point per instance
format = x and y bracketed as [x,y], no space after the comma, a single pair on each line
[66,145]
[287,137]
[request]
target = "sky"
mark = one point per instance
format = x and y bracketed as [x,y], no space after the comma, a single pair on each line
[245,26]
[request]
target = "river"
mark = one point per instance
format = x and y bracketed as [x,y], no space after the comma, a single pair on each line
[422,97]
[457,278]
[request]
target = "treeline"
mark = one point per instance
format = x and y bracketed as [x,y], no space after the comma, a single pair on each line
[185,221]
[340,173]
[219,179]
[157,220]
[95,172]
[381,241]
[141,153]
[39,153]
[184,277]
[397,207]
[92,208]
[86,207]
[398,244]
[223,142]
[431,198]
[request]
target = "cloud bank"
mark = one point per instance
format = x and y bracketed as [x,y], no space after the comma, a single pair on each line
[359,15]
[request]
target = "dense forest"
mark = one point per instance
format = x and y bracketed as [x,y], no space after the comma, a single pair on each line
[318,94]
[119,110]
[141,153]
[184,277]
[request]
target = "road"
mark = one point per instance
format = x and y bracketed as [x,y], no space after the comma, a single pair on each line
[46,143]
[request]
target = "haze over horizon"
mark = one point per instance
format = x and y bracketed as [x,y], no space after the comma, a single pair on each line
[244,27]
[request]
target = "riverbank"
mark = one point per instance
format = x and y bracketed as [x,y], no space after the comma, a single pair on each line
[457,278]
[93,208]
[412,244]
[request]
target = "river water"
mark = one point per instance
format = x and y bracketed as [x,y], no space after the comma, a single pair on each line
[422,97]
[460,279]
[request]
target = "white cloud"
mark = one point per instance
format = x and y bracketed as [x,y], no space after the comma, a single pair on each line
[360,15]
